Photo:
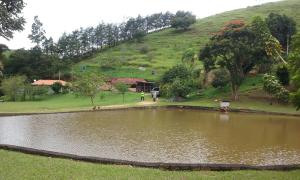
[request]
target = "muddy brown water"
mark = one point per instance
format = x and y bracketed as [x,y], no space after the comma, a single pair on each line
[161,135]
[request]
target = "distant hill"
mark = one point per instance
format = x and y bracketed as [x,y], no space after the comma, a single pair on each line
[161,50]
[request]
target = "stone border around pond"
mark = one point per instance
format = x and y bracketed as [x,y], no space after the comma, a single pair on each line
[157,165]
[104,108]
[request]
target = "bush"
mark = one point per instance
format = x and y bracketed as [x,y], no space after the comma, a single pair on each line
[178,71]
[273,87]
[36,92]
[57,87]
[178,82]
[221,79]
[296,99]
[283,75]
[14,87]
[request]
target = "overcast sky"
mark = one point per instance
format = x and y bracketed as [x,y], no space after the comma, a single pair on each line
[60,16]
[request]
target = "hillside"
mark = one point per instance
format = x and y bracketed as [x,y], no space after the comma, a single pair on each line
[161,50]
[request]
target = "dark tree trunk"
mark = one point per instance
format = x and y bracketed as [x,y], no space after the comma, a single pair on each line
[235,92]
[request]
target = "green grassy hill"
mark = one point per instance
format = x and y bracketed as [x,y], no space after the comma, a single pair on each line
[161,50]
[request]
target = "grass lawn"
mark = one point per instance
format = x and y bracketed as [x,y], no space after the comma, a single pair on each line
[22,166]
[67,102]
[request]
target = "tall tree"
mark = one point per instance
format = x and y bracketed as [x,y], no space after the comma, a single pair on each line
[183,20]
[294,65]
[37,32]
[10,17]
[235,47]
[88,85]
[282,27]
[3,48]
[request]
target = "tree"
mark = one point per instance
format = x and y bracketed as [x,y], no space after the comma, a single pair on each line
[236,48]
[37,32]
[282,27]
[294,67]
[33,63]
[3,48]
[88,85]
[13,87]
[183,20]
[10,17]
[177,82]
[122,88]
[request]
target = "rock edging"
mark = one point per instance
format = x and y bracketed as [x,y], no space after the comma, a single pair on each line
[158,165]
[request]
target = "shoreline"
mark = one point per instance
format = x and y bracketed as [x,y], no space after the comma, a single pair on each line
[153,165]
[150,106]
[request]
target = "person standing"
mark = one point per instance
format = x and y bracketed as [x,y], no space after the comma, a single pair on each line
[142,96]
[154,96]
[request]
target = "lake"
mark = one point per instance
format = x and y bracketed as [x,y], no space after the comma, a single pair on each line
[161,135]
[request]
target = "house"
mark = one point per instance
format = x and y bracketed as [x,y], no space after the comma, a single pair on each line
[135,84]
[43,82]
[144,86]
[131,82]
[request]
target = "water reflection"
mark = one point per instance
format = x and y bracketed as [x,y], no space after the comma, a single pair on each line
[161,135]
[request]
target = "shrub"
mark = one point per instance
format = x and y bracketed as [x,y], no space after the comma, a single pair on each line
[282,74]
[57,87]
[35,92]
[14,87]
[273,87]
[178,82]
[221,79]
[296,99]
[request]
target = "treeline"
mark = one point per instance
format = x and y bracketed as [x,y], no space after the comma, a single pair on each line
[84,41]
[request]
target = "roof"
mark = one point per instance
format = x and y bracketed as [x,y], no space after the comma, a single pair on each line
[43,82]
[128,81]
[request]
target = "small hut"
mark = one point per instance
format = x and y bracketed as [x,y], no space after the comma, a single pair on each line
[144,86]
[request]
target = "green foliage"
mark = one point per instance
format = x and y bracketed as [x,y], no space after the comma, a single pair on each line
[179,71]
[294,61]
[273,87]
[294,67]
[188,57]
[221,78]
[34,64]
[234,48]
[183,20]
[177,82]
[122,88]
[282,27]
[87,85]
[296,99]
[11,17]
[57,87]
[14,87]
[37,32]
[35,92]
[283,75]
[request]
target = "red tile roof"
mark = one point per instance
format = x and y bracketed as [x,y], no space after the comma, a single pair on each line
[43,82]
[128,81]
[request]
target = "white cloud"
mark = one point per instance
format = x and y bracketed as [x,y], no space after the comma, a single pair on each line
[60,16]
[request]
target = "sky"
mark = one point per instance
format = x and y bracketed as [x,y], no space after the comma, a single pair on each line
[59,16]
